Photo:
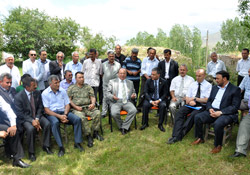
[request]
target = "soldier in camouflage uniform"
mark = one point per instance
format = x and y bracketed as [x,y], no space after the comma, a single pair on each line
[82,99]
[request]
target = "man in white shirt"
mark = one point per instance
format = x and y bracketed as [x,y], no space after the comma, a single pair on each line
[178,90]
[34,68]
[10,68]
[45,63]
[243,65]
[215,65]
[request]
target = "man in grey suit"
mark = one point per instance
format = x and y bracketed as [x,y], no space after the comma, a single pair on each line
[120,93]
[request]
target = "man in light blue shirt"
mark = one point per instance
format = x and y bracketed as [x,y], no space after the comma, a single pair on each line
[56,106]
[74,66]
[215,65]
[245,86]
[67,82]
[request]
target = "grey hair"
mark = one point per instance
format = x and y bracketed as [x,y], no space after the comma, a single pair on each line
[111,52]
[213,53]
[53,77]
[7,75]
[184,65]
[75,52]
[118,45]
[60,52]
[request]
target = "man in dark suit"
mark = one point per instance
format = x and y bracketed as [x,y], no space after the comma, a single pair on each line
[155,95]
[57,67]
[29,109]
[168,67]
[222,108]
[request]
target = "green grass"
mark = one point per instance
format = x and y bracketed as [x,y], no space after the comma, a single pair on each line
[138,152]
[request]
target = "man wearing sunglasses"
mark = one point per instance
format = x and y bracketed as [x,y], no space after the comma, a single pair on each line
[57,67]
[34,68]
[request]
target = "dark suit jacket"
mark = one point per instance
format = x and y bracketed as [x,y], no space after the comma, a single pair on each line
[173,69]
[149,89]
[230,102]
[23,105]
[55,69]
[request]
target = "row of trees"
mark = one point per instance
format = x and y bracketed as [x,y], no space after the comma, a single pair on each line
[25,28]
[180,38]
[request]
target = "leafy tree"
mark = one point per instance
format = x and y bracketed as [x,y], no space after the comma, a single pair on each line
[196,46]
[244,10]
[1,39]
[161,39]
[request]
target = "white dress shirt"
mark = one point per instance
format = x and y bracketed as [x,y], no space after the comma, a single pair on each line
[176,83]
[205,89]
[16,77]
[217,101]
[120,89]
[243,66]
[5,107]
[214,67]
[167,65]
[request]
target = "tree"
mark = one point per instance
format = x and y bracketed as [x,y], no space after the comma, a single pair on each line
[26,29]
[98,41]
[1,40]
[196,46]
[244,11]
[161,39]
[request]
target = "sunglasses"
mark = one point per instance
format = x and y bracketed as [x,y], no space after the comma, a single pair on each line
[32,55]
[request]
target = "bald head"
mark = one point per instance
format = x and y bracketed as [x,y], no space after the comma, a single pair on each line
[122,73]
[200,75]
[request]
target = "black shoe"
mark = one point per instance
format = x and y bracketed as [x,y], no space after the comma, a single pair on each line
[161,128]
[172,140]
[123,131]
[237,154]
[143,126]
[90,141]
[98,136]
[78,146]
[61,152]
[20,164]
[47,150]
[32,157]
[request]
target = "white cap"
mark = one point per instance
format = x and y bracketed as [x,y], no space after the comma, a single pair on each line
[7,55]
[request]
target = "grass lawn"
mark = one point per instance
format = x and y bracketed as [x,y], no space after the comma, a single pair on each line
[138,152]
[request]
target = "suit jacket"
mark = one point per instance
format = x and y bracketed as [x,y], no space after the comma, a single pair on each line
[55,69]
[113,87]
[173,69]
[23,106]
[149,89]
[230,101]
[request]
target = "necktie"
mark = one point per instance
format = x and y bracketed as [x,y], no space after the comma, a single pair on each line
[32,103]
[156,90]
[124,96]
[198,94]
[181,87]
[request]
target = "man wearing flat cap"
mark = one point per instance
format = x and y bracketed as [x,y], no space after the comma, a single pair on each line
[133,66]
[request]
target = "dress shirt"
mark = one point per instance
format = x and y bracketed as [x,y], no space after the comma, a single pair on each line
[120,89]
[176,83]
[16,77]
[167,65]
[5,107]
[148,65]
[217,101]
[73,67]
[35,70]
[157,88]
[205,89]
[45,65]
[55,101]
[65,85]
[245,85]
[92,71]
[110,71]
[27,93]
[214,67]
[249,106]
[243,66]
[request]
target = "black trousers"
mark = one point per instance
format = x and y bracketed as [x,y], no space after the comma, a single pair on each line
[219,124]
[136,86]
[31,134]
[183,123]
[96,89]
[239,80]
[100,90]
[13,144]
[141,98]
[146,108]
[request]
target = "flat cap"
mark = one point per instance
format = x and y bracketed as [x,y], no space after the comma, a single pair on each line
[135,50]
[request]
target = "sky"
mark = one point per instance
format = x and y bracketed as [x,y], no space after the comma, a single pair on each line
[125,18]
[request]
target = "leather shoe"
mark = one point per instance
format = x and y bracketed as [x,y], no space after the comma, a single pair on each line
[98,136]
[143,126]
[237,154]
[47,150]
[172,140]
[78,146]
[20,163]
[123,131]
[90,141]
[161,128]
[32,157]
[197,142]
[61,152]
[216,149]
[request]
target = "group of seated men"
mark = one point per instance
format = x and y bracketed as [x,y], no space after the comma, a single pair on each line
[52,93]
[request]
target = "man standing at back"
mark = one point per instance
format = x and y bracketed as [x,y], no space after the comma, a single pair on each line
[119,55]
[215,65]
[243,65]
[74,66]
[45,63]
[57,67]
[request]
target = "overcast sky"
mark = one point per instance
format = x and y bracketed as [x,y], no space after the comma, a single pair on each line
[125,18]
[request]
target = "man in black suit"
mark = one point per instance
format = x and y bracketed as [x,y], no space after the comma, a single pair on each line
[57,67]
[29,109]
[155,95]
[222,108]
[168,67]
